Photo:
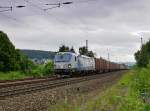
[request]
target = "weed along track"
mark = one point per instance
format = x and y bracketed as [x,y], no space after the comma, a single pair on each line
[30,86]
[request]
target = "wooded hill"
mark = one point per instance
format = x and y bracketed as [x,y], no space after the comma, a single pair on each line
[38,54]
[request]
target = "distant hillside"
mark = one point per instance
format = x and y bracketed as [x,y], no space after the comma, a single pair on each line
[129,63]
[38,54]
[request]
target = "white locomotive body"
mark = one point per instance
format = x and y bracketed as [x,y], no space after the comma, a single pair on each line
[67,62]
[86,63]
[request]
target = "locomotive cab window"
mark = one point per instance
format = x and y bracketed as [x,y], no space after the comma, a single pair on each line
[63,57]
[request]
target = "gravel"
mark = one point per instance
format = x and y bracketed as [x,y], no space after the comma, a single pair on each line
[40,101]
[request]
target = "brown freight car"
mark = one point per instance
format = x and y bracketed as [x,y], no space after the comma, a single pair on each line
[110,66]
[101,65]
[114,66]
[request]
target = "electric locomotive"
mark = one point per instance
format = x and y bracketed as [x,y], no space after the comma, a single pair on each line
[68,63]
[65,62]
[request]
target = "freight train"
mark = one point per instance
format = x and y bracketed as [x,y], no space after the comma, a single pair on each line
[68,63]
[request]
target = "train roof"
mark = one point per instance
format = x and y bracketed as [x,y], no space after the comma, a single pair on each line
[67,53]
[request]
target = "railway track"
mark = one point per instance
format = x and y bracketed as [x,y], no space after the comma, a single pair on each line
[10,83]
[44,85]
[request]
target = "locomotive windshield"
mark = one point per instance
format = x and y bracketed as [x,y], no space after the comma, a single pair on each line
[62,57]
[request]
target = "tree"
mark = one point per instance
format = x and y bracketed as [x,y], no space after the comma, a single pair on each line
[83,50]
[48,68]
[10,58]
[64,48]
[142,56]
[72,50]
[7,54]
[26,65]
[90,54]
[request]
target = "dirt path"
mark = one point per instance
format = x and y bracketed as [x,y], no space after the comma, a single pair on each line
[41,101]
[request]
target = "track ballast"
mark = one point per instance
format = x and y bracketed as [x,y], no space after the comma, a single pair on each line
[44,84]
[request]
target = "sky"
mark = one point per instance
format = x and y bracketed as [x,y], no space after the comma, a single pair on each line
[110,26]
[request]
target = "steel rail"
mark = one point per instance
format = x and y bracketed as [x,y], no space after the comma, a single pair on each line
[26,81]
[52,84]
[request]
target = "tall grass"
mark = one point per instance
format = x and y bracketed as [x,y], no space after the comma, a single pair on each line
[12,75]
[131,93]
[36,71]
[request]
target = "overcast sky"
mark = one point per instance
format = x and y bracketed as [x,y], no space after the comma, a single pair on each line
[115,25]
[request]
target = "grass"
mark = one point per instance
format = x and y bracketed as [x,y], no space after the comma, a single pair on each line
[12,75]
[121,97]
[131,93]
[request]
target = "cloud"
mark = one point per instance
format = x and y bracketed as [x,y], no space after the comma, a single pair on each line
[107,24]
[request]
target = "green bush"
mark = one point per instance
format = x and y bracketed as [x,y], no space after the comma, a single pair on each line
[48,68]
[42,70]
[37,71]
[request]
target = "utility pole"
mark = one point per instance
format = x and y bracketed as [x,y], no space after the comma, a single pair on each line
[108,55]
[87,45]
[141,38]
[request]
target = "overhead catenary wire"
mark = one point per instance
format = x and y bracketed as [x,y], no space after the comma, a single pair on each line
[32,4]
[21,6]
[3,14]
[38,7]
[57,5]
[65,3]
[12,18]
[42,10]
[51,8]
[61,4]
[5,8]
[10,8]
[82,21]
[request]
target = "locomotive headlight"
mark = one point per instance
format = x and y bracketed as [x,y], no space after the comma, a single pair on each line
[69,65]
